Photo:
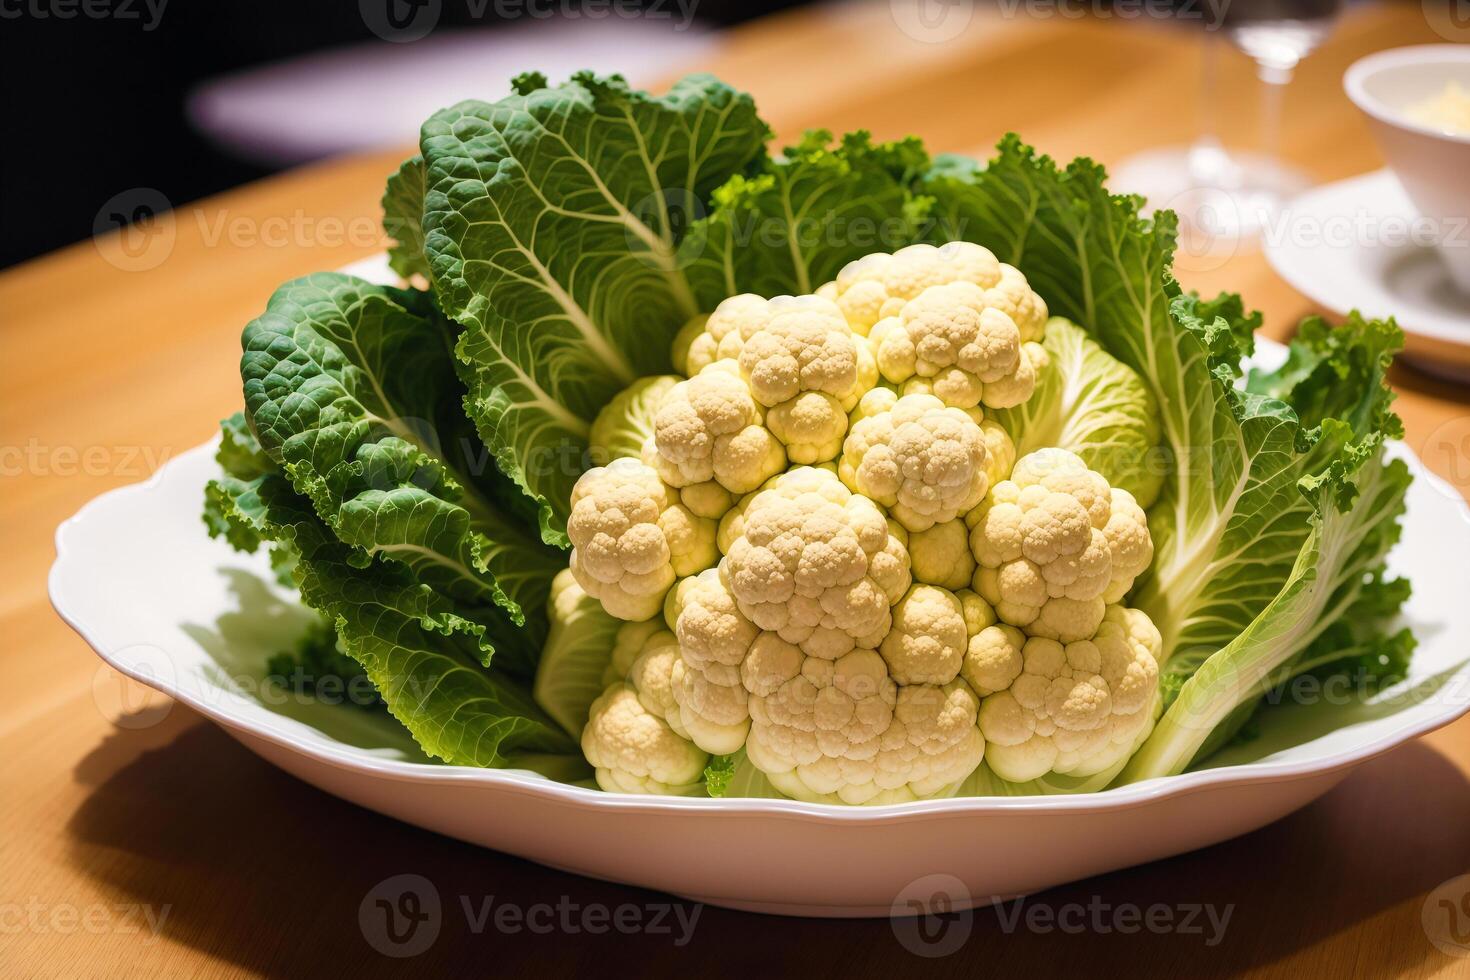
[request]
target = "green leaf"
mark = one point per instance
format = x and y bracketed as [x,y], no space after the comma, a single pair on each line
[578,652]
[351,390]
[551,225]
[626,422]
[403,216]
[736,777]
[317,667]
[1092,404]
[718,773]
[416,645]
[1356,501]
[793,222]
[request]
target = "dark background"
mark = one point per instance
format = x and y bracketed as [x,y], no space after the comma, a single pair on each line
[94,106]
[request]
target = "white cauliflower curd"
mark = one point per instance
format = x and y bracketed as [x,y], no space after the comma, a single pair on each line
[915,602]
[631,737]
[1055,544]
[801,360]
[926,462]
[1078,708]
[632,538]
[948,320]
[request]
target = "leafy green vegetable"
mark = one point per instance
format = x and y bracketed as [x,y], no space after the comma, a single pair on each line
[626,422]
[318,668]
[551,225]
[736,776]
[424,656]
[1090,403]
[403,219]
[719,772]
[796,220]
[1356,502]
[408,455]
[352,392]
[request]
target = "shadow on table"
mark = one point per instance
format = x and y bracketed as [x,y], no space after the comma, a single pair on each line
[270,874]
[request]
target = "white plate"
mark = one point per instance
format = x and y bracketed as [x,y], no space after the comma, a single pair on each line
[1358,244]
[138,578]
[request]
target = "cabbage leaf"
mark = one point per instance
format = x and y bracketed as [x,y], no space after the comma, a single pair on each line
[1092,404]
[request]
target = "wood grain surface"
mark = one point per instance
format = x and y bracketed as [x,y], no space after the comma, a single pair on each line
[136,841]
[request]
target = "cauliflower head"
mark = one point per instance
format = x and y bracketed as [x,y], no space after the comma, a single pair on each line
[632,538]
[927,462]
[1056,545]
[862,587]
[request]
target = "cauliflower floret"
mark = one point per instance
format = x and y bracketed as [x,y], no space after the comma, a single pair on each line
[721,335]
[926,462]
[709,429]
[1078,708]
[951,340]
[782,638]
[803,364]
[631,538]
[949,321]
[817,564]
[877,286]
[714,638]
[1013,296]
[1055,544]
[633,737]
[941,555]
[843,731]
[1000,451]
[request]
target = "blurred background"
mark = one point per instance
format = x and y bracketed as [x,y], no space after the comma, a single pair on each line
[136,106]
[191,97]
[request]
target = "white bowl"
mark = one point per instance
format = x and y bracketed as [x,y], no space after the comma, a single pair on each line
[136,576]
[1432,165]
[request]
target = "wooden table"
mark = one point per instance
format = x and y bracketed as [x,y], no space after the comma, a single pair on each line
[106,372]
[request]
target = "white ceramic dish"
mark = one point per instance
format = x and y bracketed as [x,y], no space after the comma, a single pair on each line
[1358,244]
[1432,164]
[162,603]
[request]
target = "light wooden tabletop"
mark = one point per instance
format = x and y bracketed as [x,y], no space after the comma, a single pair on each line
[166,848]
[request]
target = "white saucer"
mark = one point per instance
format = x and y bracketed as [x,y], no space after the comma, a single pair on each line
[1358,244]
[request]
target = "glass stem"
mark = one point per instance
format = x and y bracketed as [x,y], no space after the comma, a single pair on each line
[1207,160]
[1274,79]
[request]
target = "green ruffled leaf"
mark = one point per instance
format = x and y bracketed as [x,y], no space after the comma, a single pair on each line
[793,222]
[403,217]
[351,389]
[1356,501]
[417,646]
